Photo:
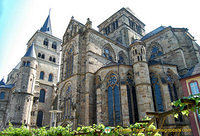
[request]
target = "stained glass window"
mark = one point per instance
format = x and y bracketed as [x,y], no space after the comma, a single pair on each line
[39,119]
[42,96]
[110,106]
[107,54]
[114,111]
[121,59]
[155,51]
[68,89]
[158,102]
[69,62]
[132,100]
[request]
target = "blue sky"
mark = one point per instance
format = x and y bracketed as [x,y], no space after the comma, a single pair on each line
[20,19]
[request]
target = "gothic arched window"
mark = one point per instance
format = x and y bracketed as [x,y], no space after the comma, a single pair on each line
[42,96]
[155,52]
[132,100]
[50,77]
[2,95]
[41,75]
[107,53]
[46,41]
[122,59]
[69,61]
[157,97]
[39,118]
[54,45]
[114,111]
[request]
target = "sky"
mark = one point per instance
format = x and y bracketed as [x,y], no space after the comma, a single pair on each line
[20,19]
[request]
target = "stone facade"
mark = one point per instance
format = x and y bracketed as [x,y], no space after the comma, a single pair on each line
[111,76]
[31,85]
[116,75]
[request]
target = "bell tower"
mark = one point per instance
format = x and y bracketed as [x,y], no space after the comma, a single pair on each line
[22,97]
[141,77]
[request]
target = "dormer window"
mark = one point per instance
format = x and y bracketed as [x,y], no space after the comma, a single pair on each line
[46,41]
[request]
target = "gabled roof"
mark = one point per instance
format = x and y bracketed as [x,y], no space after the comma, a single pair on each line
[193,71]
[47,26]
[31,52]
[157,30]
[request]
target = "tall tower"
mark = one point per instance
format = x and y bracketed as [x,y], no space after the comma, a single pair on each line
[22,97]
[123,27]
[141,77]
[47,49]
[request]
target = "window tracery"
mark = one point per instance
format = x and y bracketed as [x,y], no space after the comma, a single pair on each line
[69,61]
[156,51]
[156,91]
[108,53]
[122,59]
[114,111]
[132,99]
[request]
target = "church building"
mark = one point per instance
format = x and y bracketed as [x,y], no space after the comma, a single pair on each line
[115,75]
[111,76]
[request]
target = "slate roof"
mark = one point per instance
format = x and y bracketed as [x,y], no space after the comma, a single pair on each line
[193,71]
[157,30]
[3,85]
[153,62]
[31,52]
[47,26]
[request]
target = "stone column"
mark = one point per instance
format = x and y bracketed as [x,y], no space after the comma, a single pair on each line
[124,105]
[99,106]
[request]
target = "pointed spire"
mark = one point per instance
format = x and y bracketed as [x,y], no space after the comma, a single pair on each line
[47,25]
[31,52]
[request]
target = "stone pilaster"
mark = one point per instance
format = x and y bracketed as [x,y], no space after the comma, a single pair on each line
[124,105]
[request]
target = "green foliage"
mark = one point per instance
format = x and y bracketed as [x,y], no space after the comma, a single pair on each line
[88,130]
[195,107]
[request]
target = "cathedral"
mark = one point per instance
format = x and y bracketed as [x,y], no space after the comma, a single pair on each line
[111,76]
